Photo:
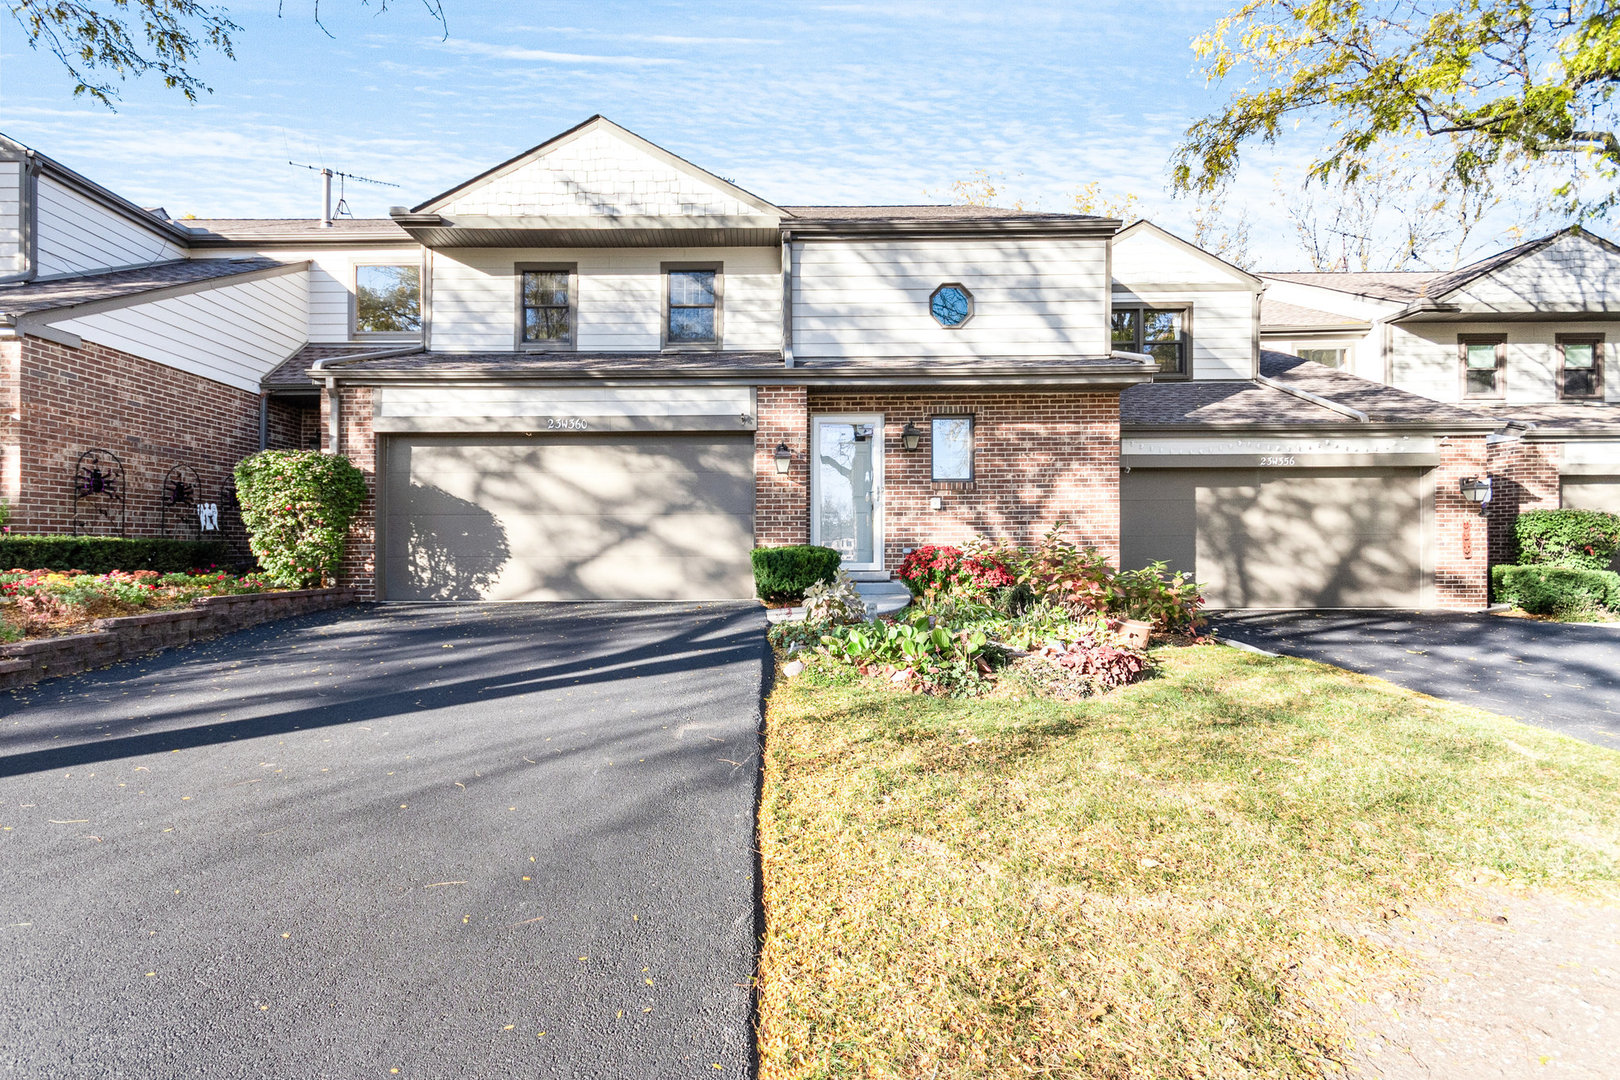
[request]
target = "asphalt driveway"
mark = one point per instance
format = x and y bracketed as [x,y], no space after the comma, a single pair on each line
[1562,676]
[469,841]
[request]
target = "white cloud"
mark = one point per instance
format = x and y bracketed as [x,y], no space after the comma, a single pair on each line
[544,56]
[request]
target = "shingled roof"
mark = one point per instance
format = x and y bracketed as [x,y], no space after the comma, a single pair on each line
[1277,315]
[57,293]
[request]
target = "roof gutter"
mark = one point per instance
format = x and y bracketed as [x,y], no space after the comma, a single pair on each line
[1315,399]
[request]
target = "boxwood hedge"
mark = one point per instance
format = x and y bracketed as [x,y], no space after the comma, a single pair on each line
[102,554]
[1555,590]
[782,574]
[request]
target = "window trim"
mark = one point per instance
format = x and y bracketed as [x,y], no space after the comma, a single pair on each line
[572,269]
[1500,341]
[664,271]
[972,310]
[1597,341]
[973,449]
[1185,308]
[357,334]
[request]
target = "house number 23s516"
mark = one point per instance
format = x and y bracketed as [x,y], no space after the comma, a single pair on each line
[565,423]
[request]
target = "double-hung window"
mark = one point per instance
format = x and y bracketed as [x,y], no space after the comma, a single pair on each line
[547,296]
[1581,365]
[693,297]
[387,300]
[1484,362]
[1162,333]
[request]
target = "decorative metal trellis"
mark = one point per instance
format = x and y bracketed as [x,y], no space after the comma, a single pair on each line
[98,494]
[177,513]
[230,522]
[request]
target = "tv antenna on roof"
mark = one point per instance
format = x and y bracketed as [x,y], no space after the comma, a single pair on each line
[326,189]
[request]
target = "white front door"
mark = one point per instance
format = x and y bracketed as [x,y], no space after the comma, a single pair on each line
[846,487]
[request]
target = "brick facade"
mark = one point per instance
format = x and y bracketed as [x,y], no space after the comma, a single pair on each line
[782,503]
[1038,458]
[60,401]
[293,424]
[357,442]
[1524,476]
[1461,535]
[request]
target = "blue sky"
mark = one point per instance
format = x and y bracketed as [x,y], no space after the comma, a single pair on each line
[800,103]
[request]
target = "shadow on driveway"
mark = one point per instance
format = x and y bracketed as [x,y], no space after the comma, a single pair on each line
[1561,676]
[413,838]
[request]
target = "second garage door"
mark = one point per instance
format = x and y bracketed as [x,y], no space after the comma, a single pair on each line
[1303,538]
[575,517]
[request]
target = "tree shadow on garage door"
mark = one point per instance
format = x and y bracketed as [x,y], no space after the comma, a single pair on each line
[456,553]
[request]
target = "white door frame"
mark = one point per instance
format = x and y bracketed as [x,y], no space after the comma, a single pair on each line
[876,420]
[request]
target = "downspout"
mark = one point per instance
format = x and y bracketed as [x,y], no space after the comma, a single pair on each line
[27,222]
[264,421]
[1315,399]
[334,427]
[787,298]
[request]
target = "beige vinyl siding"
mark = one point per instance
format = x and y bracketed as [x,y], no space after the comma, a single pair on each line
[1570,274]
[12,255]
[1424,357]
[233,334]
[597,173]
[620,296]
[870,298]
[78,235]
[331,281]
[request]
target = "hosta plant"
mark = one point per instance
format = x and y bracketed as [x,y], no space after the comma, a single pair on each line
[838,601]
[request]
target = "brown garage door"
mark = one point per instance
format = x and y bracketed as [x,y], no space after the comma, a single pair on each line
[577,517]
[1591,493]
[1272,539]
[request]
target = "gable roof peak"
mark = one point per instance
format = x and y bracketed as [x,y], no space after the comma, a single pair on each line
[596,122]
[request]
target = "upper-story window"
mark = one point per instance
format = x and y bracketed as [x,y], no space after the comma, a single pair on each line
[693,297]
[1160,332]
[951,305]
[387,300]
[1581,367]
[547,296]
[1484,363]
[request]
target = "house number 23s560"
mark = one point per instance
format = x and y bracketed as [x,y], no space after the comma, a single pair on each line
[565,423]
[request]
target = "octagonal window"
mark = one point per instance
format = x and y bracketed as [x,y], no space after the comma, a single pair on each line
[951,305]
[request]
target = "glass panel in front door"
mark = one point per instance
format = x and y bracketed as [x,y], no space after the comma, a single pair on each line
[847,494]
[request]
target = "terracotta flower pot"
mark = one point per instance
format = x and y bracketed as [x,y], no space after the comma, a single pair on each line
[1135,632]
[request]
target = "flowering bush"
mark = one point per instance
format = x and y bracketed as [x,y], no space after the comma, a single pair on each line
[1170,601]
[933,569]
[55,600]
[297,506]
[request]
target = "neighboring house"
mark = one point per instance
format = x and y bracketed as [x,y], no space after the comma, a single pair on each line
[1526,336]
[597,371]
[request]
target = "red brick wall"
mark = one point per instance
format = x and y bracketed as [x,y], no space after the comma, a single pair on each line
[1461,541]
[293,424]
[152,417]
[781,503]
[357,442]
[1038,459]
[1524,476]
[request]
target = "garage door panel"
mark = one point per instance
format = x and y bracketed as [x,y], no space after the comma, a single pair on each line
[1282,538]
[569,518]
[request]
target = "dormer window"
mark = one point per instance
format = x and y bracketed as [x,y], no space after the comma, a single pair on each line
[1159,332]
[692,304]
[387,301]
[546,295]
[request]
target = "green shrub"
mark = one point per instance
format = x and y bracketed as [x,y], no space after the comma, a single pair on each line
[782,574]
[297,506]
[104,554]
[1556,590]
[1582,539]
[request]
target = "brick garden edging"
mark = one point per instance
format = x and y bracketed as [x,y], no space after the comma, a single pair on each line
[129,636]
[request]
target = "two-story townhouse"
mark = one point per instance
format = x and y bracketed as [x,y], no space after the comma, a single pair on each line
[1525,335]
[599,371]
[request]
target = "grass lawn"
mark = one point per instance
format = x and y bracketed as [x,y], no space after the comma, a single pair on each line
[1162,882]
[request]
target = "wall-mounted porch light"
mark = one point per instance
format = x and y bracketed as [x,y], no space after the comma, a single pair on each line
[784,459]
[1476,491]
[911,436]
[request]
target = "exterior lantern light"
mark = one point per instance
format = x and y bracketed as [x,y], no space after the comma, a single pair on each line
[911,436]
[1476,491]
[784,459]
